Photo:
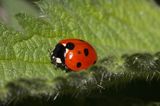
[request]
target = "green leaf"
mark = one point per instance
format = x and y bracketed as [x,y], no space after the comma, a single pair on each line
[114,28]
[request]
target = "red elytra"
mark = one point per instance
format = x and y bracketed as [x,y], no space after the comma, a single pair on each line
[82,56]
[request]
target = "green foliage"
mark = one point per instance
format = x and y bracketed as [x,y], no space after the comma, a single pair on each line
[114,28]
[9,8]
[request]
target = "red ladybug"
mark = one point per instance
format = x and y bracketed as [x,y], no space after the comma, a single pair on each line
[73,54]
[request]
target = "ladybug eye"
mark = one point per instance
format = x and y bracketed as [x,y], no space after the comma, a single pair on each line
[70,46]
[86,52]
[79,64]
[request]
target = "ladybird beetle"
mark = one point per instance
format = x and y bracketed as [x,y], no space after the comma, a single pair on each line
[73,54]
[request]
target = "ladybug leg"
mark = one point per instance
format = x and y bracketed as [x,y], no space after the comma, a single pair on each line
[68,70]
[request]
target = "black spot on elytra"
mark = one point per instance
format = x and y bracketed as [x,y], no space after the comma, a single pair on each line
[86,52]
[70,46]
[79,52]
[79,65]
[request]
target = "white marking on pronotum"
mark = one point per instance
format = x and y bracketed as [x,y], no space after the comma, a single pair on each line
[58,60]
[66,52]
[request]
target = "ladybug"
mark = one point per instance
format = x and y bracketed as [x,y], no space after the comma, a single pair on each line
[73,54]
